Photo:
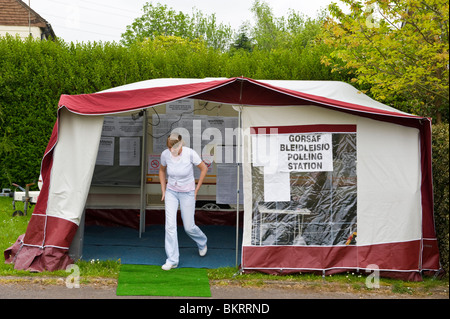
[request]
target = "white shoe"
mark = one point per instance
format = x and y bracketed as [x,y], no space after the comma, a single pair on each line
[202,252]
[167,266]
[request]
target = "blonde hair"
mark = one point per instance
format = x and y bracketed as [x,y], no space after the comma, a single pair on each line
[173,139]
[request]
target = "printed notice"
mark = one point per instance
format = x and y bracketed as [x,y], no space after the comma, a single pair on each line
[312,152]
[277,186]
[153,163]
[129,126]
[109,126]
[105,154]
[122,126]
[226,186]
[180,107]
[130,151]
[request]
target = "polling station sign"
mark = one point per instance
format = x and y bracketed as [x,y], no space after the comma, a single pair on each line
[305,152]
[304,148]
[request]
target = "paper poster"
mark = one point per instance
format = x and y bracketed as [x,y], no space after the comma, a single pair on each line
[122,126]
[109,126]
[277,186]
[226,186]
[129,126]
[180,107]
[105,154]
[280,154]
[306,152]
[297,152]
[130,151]
[154,162]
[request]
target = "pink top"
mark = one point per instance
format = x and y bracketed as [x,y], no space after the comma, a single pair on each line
[182,188]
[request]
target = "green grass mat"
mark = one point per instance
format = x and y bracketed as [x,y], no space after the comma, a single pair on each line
[147,280]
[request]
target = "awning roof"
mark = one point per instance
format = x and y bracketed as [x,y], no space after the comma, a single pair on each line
[237,91]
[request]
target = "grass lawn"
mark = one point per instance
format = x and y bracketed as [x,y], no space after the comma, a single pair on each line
[12,227]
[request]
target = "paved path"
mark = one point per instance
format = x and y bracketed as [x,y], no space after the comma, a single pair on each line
[227,301]
[104,289]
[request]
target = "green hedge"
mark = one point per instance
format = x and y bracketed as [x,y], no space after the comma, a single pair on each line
[441,195]
[34,74]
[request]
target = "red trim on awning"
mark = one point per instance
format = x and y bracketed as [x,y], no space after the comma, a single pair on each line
[331,102]
[401,256]
[122,101]
[430,253]
[35,234]
[40,259]
[318,128]
[46,230]
[59,232]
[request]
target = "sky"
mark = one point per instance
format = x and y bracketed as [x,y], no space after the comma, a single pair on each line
[106,20]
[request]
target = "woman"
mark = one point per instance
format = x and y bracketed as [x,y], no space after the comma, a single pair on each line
[176,163]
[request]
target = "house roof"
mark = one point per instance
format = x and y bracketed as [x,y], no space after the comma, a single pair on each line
[17,13]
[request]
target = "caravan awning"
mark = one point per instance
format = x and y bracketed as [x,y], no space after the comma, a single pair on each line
[335,95]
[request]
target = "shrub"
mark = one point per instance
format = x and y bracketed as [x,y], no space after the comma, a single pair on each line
[440,184]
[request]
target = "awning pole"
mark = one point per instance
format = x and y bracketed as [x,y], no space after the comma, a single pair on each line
[143,174]
[238,160]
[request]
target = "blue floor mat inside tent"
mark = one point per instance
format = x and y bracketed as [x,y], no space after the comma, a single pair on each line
[112,243]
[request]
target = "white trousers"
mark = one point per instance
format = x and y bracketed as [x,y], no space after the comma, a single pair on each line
[186,201]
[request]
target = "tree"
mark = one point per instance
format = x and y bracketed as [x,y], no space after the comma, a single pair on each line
[242,40]
[398,47]
[269,32]
[293,32]
[160,20]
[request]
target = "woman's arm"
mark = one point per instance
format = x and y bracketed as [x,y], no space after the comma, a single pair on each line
[203,171]
[162,180]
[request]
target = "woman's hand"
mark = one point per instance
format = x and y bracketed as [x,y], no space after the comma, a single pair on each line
[162,180]
[203,170]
